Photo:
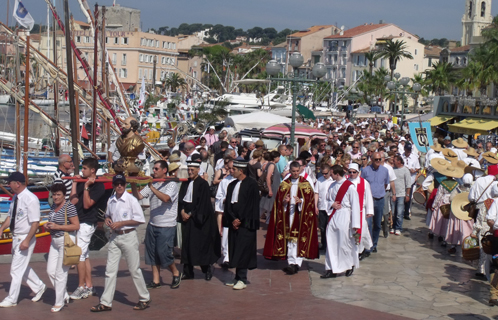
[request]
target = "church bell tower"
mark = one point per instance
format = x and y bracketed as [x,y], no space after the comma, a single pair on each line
[476,17]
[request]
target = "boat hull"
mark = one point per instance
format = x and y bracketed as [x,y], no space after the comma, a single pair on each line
[43,240]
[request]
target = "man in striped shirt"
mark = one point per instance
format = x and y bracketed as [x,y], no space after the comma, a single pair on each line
[65,169]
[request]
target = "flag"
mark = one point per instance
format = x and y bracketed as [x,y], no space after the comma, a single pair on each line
[22,15]
[141,100]
[84,133]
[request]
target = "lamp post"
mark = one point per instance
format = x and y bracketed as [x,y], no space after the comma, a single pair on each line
[400,86]
[295,61]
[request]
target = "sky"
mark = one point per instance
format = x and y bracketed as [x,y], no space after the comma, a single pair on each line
[426,18]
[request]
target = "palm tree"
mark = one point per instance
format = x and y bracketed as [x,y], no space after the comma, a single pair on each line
[174,82]
[395,51]
[372,56]
[440,77]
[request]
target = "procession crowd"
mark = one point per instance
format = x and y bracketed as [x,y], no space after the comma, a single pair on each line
[341,195]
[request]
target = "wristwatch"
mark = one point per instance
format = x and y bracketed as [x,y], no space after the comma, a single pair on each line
[87,189]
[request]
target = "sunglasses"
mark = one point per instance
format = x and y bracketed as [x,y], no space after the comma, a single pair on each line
[156,169]
[363,159]
[353,172]
[355,147]
[378,159]
[325,173]
[121,184]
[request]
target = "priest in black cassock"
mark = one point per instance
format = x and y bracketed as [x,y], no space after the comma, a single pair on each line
[241,217]
[201,242]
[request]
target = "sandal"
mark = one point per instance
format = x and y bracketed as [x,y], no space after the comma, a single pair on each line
[100,307]
[142,305]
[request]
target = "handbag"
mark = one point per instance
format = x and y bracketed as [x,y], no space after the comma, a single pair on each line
[262,185]
[72,252]
[471,208]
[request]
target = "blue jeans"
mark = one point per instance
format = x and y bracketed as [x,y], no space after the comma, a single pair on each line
[375,222]
[398,212]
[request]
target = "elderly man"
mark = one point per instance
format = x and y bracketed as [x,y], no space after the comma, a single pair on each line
[355,151]
[123,216]
[200,235]
[378,177]
[23,221]
[65,169]
[234,145]
[160,233]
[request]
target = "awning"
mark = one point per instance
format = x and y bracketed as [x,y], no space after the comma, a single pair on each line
[437,120]
[473,126]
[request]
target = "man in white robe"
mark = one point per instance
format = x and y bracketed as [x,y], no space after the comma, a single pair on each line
[344,222]
[367,210]
[219,207]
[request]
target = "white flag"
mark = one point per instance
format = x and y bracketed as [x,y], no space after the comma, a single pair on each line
[22,15]
[141,101]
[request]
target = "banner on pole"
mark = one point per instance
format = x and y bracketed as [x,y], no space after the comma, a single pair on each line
[421,135]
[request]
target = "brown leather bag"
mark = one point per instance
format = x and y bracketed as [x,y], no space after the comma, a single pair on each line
[471,208]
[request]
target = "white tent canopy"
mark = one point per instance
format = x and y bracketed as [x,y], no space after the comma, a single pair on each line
[259,120]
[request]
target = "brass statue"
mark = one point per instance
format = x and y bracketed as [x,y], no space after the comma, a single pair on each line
[129,145]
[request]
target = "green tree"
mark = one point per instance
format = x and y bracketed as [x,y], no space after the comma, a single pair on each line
[372,56]
[440,77]
[174,81]
[395,51]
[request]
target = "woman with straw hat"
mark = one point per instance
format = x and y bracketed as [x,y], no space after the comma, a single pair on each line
[447,187]
[459,222]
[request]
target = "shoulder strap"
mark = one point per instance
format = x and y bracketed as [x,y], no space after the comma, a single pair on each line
[489,185]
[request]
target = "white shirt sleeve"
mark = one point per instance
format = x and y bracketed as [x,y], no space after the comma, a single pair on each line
[137,213]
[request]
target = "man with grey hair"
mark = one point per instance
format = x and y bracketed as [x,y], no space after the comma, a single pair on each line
[65,169]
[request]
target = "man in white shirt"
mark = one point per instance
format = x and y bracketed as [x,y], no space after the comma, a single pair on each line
[412,162]
[390,190]
[23,221]
[321,188]
[123,216]
[219,207]
[161,229]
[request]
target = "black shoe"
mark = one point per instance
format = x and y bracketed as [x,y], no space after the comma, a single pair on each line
[296,268]
[440,239]
[290,270]
[224,265]
[209,274]
[186,276]
[328,274]
[365,255]
[431,235]
[176,281]
[349,273]
[480,275]
[374,250]
[361,256]
[443,244]
[153,285]
[493,302]
[407,218]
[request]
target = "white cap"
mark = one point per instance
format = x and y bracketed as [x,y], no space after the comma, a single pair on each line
[494,150]
[467,178]
[354,166]
[212,127]
[402,139]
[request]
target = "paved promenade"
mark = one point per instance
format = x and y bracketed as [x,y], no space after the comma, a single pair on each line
[410,277]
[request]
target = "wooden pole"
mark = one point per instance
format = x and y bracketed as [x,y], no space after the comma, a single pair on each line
[26,113]
[72,107]
[18,110]
[56,91]
[95,67]
[77,94]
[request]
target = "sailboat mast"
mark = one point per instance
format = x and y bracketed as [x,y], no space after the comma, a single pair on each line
[72,107]
[56,91]
[105,122]
[18,109]
[26,112]
[95,68]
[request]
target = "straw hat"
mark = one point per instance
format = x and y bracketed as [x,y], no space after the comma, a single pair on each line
[457,205]
[460,143]
[452,171]
[174,158]
[450,155]
[173,166]
[471,152]
[461,164]
[437,147]
[439,164]
[490,157]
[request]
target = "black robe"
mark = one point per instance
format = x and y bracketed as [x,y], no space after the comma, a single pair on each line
[201,243]
[242,243]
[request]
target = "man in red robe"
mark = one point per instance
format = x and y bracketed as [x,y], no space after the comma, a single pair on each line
[292,232]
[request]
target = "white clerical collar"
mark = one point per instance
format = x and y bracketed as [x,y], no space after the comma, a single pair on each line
[188,195]
[235,194]
[294,181]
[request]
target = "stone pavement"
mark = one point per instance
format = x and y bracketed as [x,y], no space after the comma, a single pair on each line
[411,276]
